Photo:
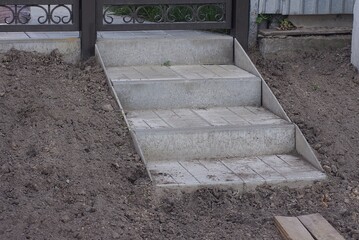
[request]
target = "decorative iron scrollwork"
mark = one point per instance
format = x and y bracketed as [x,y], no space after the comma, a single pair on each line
[163,13]
[20,14]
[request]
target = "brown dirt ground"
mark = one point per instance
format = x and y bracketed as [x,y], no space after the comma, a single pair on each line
[68,169]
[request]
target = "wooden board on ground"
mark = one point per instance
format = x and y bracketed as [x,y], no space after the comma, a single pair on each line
[305,32]
[291,228]
[319,227]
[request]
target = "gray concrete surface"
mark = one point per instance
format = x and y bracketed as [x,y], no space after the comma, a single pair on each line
[280,45]
[190,147]
[208,133]
[68,47]
[216,142]
[201,118]
[269,101]
[241,173]
[355,37]
[158,47]
[201,86]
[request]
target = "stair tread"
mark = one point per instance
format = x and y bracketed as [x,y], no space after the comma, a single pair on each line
[178,72]
[252,171]
[202,118]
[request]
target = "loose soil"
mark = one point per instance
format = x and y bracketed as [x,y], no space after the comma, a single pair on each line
[68,169]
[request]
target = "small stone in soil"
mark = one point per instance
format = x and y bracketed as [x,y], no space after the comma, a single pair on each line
[327,168]
[65,218]
[107,107]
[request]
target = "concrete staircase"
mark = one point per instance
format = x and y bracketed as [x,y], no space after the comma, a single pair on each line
[200,114]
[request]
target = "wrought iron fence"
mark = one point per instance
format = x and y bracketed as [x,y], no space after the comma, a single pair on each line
[16,15]
[90,16]
[164,14]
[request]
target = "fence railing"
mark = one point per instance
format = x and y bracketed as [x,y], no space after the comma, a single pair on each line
[90,16]
[49,20]
[164,14]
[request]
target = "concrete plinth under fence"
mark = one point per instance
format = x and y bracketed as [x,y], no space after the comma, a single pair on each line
[355,41]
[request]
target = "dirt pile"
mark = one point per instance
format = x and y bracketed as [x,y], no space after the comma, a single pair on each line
[68,169]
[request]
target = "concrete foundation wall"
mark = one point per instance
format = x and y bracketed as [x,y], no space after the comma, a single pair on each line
[70,48]
[355,40]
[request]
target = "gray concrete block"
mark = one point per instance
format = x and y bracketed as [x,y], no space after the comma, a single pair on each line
[195,49]
[270,46]
[200,143]
[70,47]
[355,37]
[185,93]
[193,86]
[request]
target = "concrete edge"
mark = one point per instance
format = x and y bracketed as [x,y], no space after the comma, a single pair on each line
[239,187]
[211,129]
[113,93]
[243,79]
[270,102]
[305,150]
[208,36]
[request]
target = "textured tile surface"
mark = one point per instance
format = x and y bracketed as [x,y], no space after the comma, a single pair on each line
[190,118]
[158,72]
[237,172]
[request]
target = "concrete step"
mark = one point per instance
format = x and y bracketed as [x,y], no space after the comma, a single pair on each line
[184,86]
[243,174]
[210,133]
[157,47]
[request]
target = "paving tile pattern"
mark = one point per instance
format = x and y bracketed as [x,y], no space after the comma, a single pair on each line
[237,171]
[211,117]
[179,72]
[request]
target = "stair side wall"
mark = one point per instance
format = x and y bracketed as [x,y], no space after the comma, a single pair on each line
[270,102]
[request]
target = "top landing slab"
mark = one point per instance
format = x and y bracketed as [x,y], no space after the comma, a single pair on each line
[163,34]
[157,47]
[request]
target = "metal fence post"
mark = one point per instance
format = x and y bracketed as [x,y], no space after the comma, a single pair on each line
[88,32]
[240,24]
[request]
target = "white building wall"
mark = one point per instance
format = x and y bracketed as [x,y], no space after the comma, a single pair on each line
[306,7]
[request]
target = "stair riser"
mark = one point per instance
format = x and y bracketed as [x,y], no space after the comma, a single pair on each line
[196,144]
[158,51]
[188,94]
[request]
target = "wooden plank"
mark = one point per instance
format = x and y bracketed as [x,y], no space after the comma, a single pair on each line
[291,228]
[305,32]
[319,227]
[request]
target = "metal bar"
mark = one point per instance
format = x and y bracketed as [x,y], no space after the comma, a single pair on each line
[38,28]
[151,2]
[165,26]
[88,28]
[37,2]
[99,14]
[240,25]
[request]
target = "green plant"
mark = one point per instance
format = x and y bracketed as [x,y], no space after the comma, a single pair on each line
[315,87]
[176,14]
[262,18]
[285,24]
[167,64]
